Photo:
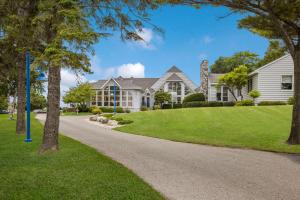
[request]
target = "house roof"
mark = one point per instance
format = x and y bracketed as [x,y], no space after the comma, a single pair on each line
[174,77]
[213,78]
[174,69]
[128,83]
[267,65]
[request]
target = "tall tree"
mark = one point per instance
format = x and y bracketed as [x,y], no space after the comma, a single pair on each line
[273,52]
[68,37]
[274,19]
[227,64]
[81,94]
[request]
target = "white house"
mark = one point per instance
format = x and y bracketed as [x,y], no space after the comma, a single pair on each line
[275,82]
[132,93]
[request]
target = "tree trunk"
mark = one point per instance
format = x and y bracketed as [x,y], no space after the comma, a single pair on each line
[232,93]
[20,126]
[294,137]
[51,128]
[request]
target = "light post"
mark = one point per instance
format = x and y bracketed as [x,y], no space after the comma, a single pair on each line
[28,136]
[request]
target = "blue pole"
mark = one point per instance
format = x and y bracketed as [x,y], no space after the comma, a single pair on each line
[115,108]
[28,139]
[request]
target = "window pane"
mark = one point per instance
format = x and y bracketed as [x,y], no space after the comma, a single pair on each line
[287,82]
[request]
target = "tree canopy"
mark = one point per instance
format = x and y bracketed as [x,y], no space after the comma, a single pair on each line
[80,94]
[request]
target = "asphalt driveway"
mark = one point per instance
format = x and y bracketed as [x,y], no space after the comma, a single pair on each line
[190,171]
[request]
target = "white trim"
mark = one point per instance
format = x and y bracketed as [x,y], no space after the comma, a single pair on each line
[109,81]
[287,90]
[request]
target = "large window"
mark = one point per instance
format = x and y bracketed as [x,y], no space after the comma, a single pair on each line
[287,82]
[109,96]
[99,97]
[175,87]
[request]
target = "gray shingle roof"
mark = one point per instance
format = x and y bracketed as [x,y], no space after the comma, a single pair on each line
[213,78]
[129,83]
[174,69]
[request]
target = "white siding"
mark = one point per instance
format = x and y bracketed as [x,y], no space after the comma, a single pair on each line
[254,86]
[269,80]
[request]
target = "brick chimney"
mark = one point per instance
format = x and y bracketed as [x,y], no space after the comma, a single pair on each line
[204,77]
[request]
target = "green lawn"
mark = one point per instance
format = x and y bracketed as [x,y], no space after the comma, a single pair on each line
[75,172]
[263,128]
[75,114]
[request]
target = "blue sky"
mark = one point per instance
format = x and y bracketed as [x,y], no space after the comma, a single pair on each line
[190,35]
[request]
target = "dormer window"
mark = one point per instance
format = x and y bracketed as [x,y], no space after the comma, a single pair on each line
[287,82]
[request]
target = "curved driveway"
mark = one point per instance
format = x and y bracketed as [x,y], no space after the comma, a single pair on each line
[190,171]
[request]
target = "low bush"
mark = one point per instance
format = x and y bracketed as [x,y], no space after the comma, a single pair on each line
[291,101]
[271,103]
[156,107]
[203,104]
[83,108]
[96,111]
[127,111]
[177,105]
[125,122]
[228,104]
[91,108]
[108,116]
[167,106]
[118,119]
[246,102]
[143,108]
[69,109]
[111,109]
[194,97]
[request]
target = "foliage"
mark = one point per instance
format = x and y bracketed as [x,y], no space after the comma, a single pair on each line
[123,122]
[156,107]
[236,79]
[246,102]
[108,115]
[254,94]
[161,97]
[118,119]
[291,101]
[119,110]
[127,111]
[177,105]
[228,64]
[37,101]
[96,111]
[194,97]
[66,109]
[143,108]
[3,103]
[271,103]
[273,52]
[207,104]
[167,106]
[107,109]
[81,94]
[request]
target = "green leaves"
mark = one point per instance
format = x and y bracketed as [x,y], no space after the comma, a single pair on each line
[80,94]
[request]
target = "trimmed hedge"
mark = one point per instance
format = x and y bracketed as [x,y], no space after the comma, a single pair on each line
[143,108]
[291,100]
[111,109]
[246,102]
[125,122]
[271,103]
[69,109]
[167,106]
[207,104]
[177,105]
[194,97]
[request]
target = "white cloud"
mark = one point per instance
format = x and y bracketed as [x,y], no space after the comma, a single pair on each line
[207,39]
[69,79]
[150,39]
[136,70]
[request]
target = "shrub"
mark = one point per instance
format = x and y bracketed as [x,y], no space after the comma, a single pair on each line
[125,122]
[156,107]
[227,104]
[194,97]
[291,100]
[118,119]
[69,109]
[271,103]
[96,111]
[177,105]
[202,104]
[127,111]
[111,109]
[167,106]
[246,102]
[144,108]
[254,94]
[92,108]
[83,108]
[108,115]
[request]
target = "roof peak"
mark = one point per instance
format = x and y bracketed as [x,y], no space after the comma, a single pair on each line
[174,69]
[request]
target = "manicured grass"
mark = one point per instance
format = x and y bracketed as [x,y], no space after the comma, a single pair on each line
[74,172]
[75,114]
[263,128]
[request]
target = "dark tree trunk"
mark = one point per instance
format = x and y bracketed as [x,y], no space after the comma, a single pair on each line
[232,93]
[20,126]
[294,137]
[50,138]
